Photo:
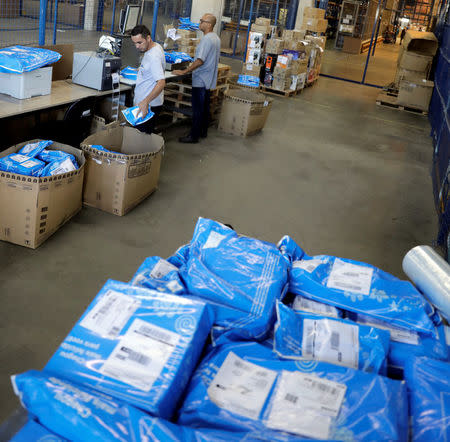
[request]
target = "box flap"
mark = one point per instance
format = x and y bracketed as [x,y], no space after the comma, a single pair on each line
[62,69]
[424,43]
[247,96]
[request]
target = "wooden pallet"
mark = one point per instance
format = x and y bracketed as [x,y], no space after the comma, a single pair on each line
[278,93]
[390,100]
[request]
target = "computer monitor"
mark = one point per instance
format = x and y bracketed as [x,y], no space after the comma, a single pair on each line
[129,18]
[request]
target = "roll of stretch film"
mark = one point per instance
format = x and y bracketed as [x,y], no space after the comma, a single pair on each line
[431,275]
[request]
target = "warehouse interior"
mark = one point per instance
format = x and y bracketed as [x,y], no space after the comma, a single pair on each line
[341,173]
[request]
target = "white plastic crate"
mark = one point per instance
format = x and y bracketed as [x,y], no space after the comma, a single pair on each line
[28,84]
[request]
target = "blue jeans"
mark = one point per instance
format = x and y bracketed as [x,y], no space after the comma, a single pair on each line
[200,112]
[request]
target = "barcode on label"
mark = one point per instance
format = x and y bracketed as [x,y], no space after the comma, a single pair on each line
[156,334]
[114,331]
[346,285]
[334,341]
[324,388]
[308,347]
[291,398]
[134,356]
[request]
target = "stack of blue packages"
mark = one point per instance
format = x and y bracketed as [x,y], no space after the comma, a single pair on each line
[302,304]
[34,149]
[248,80]
[19,59]
[428,382]
[244,275]
[100,147]
[129,73]
[173,57]
[186,23]
[21,164]
[80,414]
[304,336]
[137,345]
[245,387]
[57,161]
[360,288]
[134,115]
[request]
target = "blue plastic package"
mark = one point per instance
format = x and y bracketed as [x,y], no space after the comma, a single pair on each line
[49,156]
[136,344]
[129,73]
[177,57]
[245,387]
[100,147]
[134,116]
[248,80]
[21,164]
[303,304]
[236,271]
[361,288]
[180,257]
[428,382]
[407,343]
[305,336]
[59,166]
[158,274]
[34,432]
[80,414]
[19,59]
[34,149]
[186,23]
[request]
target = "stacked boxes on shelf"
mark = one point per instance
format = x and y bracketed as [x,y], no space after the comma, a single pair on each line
[188,42]
[255,50]
[314,21]
[413,69]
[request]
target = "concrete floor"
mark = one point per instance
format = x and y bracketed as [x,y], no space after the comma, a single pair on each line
[339,174]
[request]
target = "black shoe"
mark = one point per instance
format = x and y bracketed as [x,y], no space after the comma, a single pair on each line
[188,139]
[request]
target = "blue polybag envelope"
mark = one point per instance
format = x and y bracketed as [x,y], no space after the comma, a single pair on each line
[177,57]
[303,304]
[239,272]
[100,147]
[406,343]
[34,432]
[361,288]
[300,335]
[129,73]
[248,80]
[34,149]
[180,257]
[136,344]
[186,23]
[428,382]
[244,386]
[82,415]
[134,116]
[49,156]
[18,59]
[21,164]
[158,274]
[57,167]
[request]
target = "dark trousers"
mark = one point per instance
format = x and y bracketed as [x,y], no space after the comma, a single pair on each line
[200,112]
[149,126]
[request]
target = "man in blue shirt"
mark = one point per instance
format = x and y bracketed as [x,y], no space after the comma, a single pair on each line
[204,78]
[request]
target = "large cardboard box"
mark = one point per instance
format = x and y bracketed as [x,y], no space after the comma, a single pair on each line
[262,21]
[414,61]
[424,43]
[294,45]
[315,25]
[226,40]
[117,182]
[319,41]
[313,13]
[293,34]
[415,94]
[33,208]
[405,74]
[263,29]
[244,112]
[299,66]
[251,69]
[274,46]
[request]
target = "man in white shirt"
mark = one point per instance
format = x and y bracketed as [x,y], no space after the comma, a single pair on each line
[150,82]
[204,78]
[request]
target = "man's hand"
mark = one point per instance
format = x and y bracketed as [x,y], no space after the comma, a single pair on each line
[143,107]
[179,72]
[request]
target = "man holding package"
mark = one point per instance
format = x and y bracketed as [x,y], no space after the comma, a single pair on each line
[150,82]
[204,78]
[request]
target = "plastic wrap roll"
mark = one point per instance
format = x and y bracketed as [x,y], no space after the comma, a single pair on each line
[431,275]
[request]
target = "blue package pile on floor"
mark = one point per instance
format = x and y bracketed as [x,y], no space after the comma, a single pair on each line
[233,338]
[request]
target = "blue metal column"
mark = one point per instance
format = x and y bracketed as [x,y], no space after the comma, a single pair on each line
[241,6]
[376,37]
[276,12]
[42,20]
[249,27]
[55,21]
[371,41]
[155,18]
[113,17]
[101,8]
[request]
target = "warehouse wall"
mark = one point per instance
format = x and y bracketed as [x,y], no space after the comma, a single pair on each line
[302,4]
[200,7]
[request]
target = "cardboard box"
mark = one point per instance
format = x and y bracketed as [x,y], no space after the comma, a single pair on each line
[251,69]
[281,83]
[405,74]
[424,43]
[254,56]
[62,69]
[315,25]
[279,71]
[255,40]
[262,29]
[261,21]
[299,66]
[186,33]
[294,45]
[226,39]
[274,46]
[293,34]
[32,208]
[414,61]
[117,182]
[319,41]
[415,94]
[313,13]
[283,61]
[244,112]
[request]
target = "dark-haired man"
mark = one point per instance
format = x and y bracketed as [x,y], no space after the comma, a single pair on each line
[204,78]
[150,82]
